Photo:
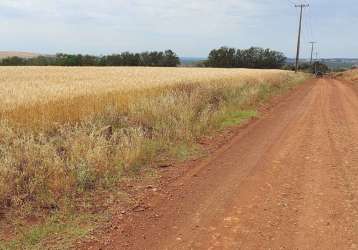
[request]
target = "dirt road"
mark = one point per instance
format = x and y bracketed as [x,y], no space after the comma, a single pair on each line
[287,181]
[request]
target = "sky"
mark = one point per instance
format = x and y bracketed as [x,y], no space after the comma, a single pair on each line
[189,27]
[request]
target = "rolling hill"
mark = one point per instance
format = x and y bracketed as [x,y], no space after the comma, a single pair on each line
[4,54]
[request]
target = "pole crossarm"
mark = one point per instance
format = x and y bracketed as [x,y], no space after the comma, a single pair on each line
[302,5]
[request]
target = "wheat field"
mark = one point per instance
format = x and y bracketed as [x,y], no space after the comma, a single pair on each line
[65,132]
[39,97]
[28,85]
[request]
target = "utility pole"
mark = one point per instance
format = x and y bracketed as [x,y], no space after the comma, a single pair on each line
[301,6]
[312,47]
[315,65]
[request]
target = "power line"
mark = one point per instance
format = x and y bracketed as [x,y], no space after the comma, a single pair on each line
[307,29]
[306,36]
[291,2]
[310,26]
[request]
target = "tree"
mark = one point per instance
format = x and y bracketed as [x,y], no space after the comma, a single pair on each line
[253,57]
[154,58]
[88,60]
[41,61]
[170,59]
[13,61]
[223,57]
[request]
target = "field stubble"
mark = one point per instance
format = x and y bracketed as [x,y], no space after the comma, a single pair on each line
[65,132]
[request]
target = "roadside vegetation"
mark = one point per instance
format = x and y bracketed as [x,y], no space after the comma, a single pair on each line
[348,75]
[309,68]
[71,132]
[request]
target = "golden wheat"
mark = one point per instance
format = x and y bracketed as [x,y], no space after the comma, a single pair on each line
[42,96]
[28,85]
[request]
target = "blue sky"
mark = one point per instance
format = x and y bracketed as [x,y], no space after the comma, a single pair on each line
[189,27]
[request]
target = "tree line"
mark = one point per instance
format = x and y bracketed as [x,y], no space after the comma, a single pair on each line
[153,59]
[253,57]
[223,57]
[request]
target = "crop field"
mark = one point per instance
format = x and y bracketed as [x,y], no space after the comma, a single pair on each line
[28,85]
[68,131]
[43,96]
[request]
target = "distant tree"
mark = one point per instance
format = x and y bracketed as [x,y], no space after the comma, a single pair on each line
[170,59]
[320,67]
[154,58]
[309,68]
[41,61]
[253,57]
[13,61]
[145,59]
[130,59]
[273,59]
[112,60]
[223,57]
[88,60]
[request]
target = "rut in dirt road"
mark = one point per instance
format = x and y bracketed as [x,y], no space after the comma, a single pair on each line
[287,181]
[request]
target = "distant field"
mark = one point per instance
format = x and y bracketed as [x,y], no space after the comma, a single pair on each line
[4,54]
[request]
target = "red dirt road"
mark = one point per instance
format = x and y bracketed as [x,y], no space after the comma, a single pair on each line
[287,181]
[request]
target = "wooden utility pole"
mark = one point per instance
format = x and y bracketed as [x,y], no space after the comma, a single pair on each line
[301,6]
[315,65]
[312,47]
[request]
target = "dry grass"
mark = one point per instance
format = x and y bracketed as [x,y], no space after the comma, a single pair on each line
[67,131]
[350,75]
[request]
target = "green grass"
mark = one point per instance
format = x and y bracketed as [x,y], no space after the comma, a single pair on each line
[56,233]
[235,118]
[184,151]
